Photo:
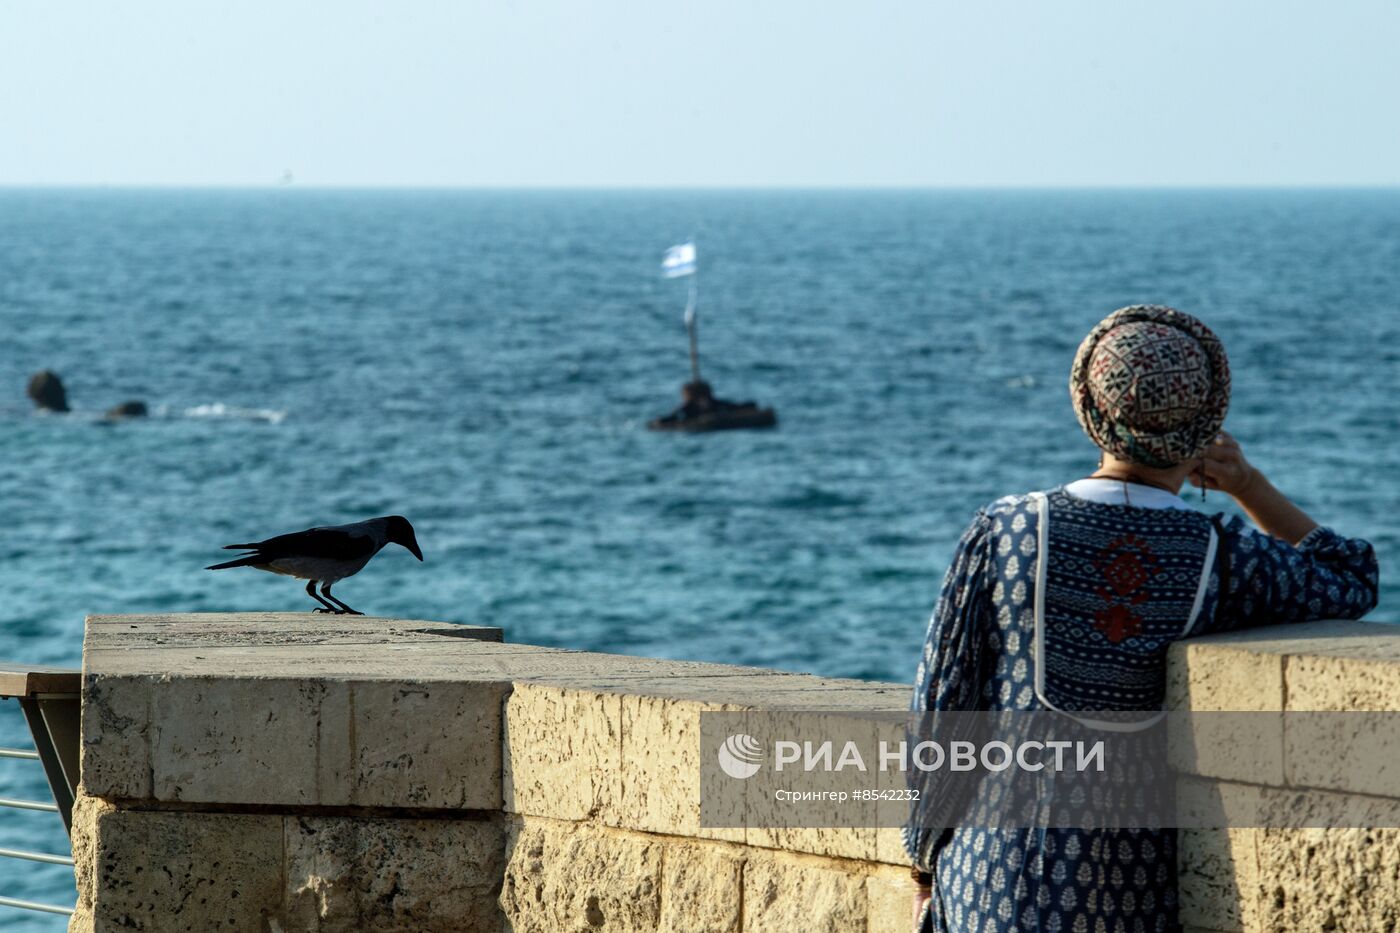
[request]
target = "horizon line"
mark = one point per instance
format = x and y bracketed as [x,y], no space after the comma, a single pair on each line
[697,188]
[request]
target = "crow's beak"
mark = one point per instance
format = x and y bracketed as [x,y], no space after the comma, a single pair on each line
[413,549]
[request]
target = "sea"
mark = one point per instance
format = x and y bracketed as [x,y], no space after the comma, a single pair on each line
[485,363]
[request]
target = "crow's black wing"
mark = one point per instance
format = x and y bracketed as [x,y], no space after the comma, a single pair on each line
[332,543]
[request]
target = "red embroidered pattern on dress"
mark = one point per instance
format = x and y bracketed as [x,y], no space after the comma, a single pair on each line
[1127,564]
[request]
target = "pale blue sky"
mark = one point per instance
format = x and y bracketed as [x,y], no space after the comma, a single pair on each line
[716,92]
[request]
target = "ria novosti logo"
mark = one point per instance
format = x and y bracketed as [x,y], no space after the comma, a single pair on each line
[740,756]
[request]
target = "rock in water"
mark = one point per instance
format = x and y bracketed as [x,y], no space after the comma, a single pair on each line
[46,389]
[128,410]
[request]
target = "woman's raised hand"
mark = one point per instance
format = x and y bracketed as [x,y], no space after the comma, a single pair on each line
[1223,466]
[1226,469]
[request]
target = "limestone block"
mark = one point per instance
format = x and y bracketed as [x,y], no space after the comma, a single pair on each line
[346,875]
[87,812]
[889,846]
[893,814]
[1210,680]
[1343,732]
[245,740]
[270,631]
[1207,804]
[1218,878]
[562,877]
[1218,868]
[889,895]
[563,752]
[701,888]
[1329,879]
[434,745]
[1321,683]
[1357,752]
[660,788]
[836,829]
[1209,674]
[176,871]
[783,894]
[831,841]
[115,758]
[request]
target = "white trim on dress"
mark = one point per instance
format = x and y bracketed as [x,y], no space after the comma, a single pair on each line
[1042,505]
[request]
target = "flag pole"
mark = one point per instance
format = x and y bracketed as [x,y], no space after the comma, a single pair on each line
[692,327]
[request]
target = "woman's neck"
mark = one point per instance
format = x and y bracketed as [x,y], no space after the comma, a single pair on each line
[1169,479]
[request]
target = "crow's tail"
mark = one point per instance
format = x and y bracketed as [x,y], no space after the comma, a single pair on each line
[249,560]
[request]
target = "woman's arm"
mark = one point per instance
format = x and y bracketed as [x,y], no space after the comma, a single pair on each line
[1295,571]
[1226,469]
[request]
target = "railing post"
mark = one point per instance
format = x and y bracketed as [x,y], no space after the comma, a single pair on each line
[53,722]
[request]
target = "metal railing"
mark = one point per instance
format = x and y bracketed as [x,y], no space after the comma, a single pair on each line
[49,700]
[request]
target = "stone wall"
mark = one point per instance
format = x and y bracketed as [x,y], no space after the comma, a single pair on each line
[289,773]
[1254,880]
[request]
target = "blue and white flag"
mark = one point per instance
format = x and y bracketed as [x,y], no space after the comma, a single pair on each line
[679,261]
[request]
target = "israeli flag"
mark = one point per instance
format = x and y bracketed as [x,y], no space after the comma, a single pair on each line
[679,261]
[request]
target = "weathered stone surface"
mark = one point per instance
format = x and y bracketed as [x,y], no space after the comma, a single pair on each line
[87,812]
[660,788]
[1208,677]
[1218,878]
[1328,879]
[1374,641]
[434,745]
[1247,879]
[601,754]
[889,896]
[1322,683]
[563,877]
[176,871]
[1356,752]
[408,876]
[115,757]
[702,888]
[563,752]
[241,740]
[836,829]
[784,893]
[209,738]
[889,846]
[107,636]
[891,814]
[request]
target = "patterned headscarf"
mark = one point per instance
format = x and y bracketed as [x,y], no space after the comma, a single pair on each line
[1151,385]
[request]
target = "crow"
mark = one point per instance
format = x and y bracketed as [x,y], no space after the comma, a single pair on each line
[326,555]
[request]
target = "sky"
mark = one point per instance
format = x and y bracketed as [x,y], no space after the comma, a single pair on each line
[724,93]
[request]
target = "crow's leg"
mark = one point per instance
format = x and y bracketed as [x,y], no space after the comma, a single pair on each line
[325,606]
[326,592]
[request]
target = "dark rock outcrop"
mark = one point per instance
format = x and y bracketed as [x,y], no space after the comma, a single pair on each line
[46,389]
[131,409]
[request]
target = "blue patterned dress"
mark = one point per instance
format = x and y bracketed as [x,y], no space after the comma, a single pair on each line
[1054,601]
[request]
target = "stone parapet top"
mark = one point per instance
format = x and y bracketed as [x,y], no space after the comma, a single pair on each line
[264,630]
[323,712]
[305,646]
[1340,638]
[1335,666]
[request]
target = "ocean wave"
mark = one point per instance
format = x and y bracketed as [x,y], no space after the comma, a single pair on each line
[220,410]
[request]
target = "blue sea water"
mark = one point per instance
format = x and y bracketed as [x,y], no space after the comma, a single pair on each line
[484,363]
